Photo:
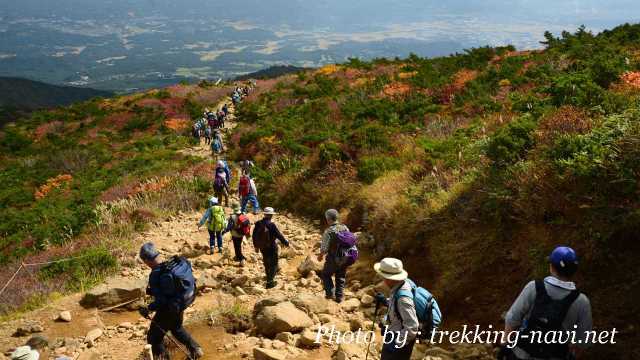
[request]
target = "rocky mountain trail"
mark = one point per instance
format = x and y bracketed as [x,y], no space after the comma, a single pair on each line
[234,316]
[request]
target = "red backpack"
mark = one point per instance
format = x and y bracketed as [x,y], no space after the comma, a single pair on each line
[243,225]
[245,186]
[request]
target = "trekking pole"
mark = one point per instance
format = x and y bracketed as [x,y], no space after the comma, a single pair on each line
[373,326]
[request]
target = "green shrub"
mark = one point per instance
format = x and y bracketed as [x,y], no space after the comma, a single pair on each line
[13,140]
[510,143]
[372,167]
[577,89]
[330,151]
[92,264]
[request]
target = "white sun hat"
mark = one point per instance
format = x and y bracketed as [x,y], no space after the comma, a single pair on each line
[391,268]
[269,211]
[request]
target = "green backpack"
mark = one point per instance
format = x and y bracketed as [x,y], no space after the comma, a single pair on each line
[218,221]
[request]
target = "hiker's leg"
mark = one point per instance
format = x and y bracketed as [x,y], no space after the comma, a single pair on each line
[219,239]
[212,239]
[225,193]
[389,353]
[254,203]
[326,275]
[341,279]
[272,261]
[181,334]
[155,335]
[237,247]
[243,203]
[265,263]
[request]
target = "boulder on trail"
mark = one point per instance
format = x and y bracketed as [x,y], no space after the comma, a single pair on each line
[114,292]
[350,305]
[90,355]
[352,351]
[272,300]
[64,316]
[93,335]
[308,265]
[314,304]
[279,318]
[30,327]
[267,354]
[308,339]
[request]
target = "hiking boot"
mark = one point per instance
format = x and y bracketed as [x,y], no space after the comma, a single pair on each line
[271,285]
[197,353]
[241,263]
[338,300]
[328,296]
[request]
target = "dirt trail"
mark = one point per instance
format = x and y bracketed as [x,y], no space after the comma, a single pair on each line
[124,332]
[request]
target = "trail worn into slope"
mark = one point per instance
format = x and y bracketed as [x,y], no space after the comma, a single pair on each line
[227,298]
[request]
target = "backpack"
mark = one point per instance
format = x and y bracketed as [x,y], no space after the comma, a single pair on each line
[245,186]
[547,315]
[219,182]
[262,236]
[183,280]
[216,146]
[346,251]
[218,221]
[243,225]
[427,309]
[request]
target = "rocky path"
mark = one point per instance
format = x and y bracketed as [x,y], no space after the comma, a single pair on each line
[234,317]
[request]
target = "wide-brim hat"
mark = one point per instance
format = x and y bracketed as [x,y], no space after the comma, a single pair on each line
[213,200]
[390,268]
[237,211]
[269,211]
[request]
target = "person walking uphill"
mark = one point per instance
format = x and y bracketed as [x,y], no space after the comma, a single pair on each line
[552,304]
[221,184]
[173,288]
[239,226]
[265,233]
[329,248]
[216,222]
[248,193]
[412,311]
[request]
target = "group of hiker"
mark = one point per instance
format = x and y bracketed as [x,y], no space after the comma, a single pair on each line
[239,93]
[412,313]
[208,127]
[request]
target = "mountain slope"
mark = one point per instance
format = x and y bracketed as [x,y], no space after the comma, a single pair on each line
[28,94]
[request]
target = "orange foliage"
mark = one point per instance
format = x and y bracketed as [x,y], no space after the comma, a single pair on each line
[462,77]
[631,78]
[46,128]
[407,75]
[566,120]
[328,69]
[177,124]
[396,89]
[52,184]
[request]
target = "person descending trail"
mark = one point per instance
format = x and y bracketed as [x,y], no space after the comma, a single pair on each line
[225,109]
[217,145]
[173,287]
[330,247]
[222,166]
[265,233]
[207,135]
[220,184]
[221,118]
[412,312]
[216,222]
[552,304]
[239,226]
[248,193]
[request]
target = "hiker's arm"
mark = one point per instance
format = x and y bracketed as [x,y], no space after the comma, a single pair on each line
[278,235]
[520,308]
[585,324]
[410,323]
[161,296]
[324,244]
[230,225]
[253,187]
[205,217]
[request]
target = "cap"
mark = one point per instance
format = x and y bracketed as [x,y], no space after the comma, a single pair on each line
[564,259]
[148,252]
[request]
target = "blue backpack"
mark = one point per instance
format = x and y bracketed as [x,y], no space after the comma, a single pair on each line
[427,309]
[183,280]
[216,146]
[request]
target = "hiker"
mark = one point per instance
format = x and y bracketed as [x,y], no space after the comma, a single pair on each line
[221,118]
[329,248]
[220,184]
[225,109]
[265,233]
[217,146]
[212,121]
[248,193]
[172,285]
[207,135]
[216,222]
[239,226]
[552,304]
[401,317]
[31,350]
[196,130]
[246,166]
[222,165]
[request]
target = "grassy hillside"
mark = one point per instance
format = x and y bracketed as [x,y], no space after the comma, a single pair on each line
[29,94]
[82,180]
[472,167]
[271,72]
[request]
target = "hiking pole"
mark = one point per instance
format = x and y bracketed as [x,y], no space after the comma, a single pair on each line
[373,326]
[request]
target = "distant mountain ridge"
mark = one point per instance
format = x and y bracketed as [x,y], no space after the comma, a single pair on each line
[31,95]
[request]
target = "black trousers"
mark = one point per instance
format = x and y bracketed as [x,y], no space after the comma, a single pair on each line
[403,353]
[270,262]
[329,271]
[168,320]
[237,247]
